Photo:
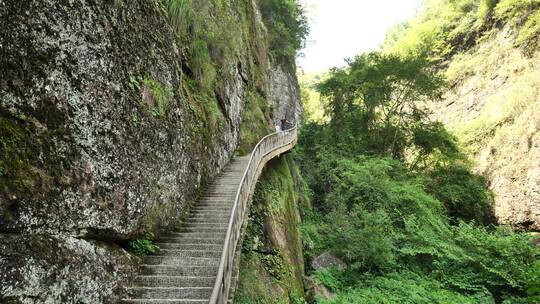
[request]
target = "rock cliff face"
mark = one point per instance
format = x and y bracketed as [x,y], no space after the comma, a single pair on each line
[104,134]
[493,105]
[272,263]
[54,269]
[91,103]
[284,95]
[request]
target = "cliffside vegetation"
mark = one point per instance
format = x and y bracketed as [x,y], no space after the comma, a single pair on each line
[394,194]
[488,51]
[272,265]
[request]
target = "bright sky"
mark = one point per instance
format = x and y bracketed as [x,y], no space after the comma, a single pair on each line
[345,28]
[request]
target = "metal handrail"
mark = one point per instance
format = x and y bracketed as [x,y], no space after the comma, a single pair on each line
[275,143]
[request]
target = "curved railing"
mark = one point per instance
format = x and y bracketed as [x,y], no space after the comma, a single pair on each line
[269,147]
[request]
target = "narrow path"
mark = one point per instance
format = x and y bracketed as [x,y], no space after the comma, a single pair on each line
[186,266]
[196,261]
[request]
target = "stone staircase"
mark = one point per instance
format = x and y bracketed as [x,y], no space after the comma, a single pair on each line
[185,268]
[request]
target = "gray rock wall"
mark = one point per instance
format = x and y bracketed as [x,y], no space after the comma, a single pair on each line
[493,106]
[107,145]
[49,269]
[284,95]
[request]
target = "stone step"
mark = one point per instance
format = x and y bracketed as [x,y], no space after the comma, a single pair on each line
[227,187]
[197,235]
[211,215]
[218,220]
[175,281]
[220,203]
[212,247]
[196,214]
[198,224]
[216,217]
[189,253]
[203,220]
[218,230]
[211,212]
[171,270]
[218,198]
[208,219]
[211,219]
[215,203]
[171,292]
[201,226]
[212,209]
[220,192]
[181,261]
[184,270]
[188,240]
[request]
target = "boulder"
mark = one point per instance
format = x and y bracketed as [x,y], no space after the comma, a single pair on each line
[326,260]
[60,269]
[316,291]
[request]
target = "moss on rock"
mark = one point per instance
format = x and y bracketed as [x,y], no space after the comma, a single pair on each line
[272,265]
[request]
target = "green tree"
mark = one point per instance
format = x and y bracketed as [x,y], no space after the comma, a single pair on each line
[379,100]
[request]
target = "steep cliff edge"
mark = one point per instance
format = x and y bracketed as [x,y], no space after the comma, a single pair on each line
[493,106]
[112,116]
[272,264]
[488,51]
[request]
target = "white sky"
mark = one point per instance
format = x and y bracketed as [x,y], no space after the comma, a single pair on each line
[345,28]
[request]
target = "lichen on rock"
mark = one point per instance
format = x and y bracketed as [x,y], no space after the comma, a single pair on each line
[110,123]
[60,269]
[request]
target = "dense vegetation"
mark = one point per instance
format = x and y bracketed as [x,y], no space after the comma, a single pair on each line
[271,269]
[447,26]
[393,193]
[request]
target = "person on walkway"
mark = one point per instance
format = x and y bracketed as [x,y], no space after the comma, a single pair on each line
[284,124]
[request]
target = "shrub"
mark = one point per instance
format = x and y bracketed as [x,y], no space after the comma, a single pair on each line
[401,287]
[380,220]
[464,194]
[515,9]
[143,247]
[288,28]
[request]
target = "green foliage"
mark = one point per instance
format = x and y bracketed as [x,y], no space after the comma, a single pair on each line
[253,288]
[143,247]
[379,219]
[288,28]
[485,11]
[528,35]
[446,27]
[379,100]
[178,12]
[383,218]
[462,192]
[533,289]
[16,152]
[156,97]
[294,298]
[393,195]
[313,109]
[271,250]
[402,287]
[515,9]
[442,28]
[328,278]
